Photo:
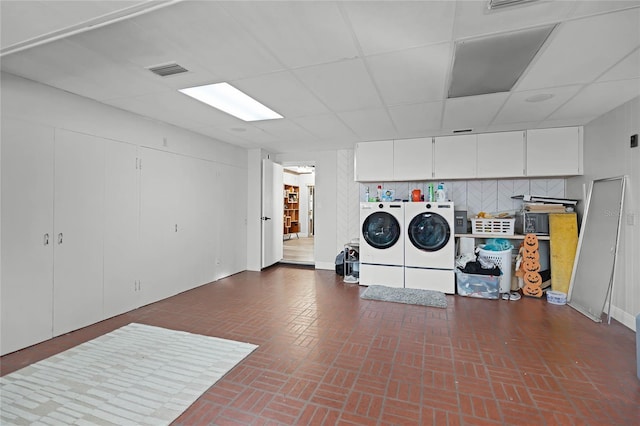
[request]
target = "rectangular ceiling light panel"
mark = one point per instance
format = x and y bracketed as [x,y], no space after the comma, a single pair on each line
[493,64]
[227,98]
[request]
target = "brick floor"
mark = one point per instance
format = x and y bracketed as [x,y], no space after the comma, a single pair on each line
[327,357]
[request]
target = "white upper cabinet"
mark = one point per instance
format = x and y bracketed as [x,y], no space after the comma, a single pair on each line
[500,155]
[554,152]
[413,159]
[455,157]
[374,161]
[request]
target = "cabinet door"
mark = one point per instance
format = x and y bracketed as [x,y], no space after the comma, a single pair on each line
[121,250]
[27,218]
[501,154]
[455,157]
[78,229]
[413,159]
[554,152]
[374,161]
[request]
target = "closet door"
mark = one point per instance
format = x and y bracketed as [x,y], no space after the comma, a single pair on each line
[121,286]
[231,221]
[27,235]
[78,229]
[159,198]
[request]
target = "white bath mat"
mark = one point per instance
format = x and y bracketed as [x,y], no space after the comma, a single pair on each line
[135,375]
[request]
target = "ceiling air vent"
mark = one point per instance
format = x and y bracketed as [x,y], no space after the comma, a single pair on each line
[167,69]
[499,4]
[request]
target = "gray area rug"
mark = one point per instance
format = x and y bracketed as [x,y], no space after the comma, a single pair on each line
[136,375]
[410,296]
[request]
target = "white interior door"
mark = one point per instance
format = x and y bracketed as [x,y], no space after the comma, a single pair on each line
[272,210]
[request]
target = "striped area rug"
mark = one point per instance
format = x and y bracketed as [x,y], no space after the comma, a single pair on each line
[135,375]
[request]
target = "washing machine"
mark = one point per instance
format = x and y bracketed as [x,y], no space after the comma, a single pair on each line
[382,244]
[429,246]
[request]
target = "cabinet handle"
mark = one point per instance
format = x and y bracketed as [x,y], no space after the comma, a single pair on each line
[176,227]
[60,238]
[46,239]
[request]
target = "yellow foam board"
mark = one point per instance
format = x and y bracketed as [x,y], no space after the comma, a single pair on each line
[563,233]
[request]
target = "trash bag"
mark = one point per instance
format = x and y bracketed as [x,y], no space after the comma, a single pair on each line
[340,264]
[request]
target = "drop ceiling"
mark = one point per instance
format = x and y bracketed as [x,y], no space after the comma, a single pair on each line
[339,72]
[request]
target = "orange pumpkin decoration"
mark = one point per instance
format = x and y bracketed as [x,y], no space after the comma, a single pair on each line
[533,278]
[533,256]
[531,266]
[533,281]
[532,290]
[531,242]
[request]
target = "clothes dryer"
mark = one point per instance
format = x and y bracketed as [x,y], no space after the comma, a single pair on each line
[382,244]
[429,256]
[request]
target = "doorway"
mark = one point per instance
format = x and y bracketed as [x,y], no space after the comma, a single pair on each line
[299,203]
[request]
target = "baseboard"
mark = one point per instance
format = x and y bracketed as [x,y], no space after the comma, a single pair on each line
[326,265]
[623,317]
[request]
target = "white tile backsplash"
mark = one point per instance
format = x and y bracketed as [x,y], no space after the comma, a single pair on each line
[488,195]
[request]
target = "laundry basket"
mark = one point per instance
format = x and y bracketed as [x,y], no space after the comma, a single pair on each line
[503,260]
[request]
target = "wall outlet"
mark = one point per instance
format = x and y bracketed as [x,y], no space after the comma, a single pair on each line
[634,141]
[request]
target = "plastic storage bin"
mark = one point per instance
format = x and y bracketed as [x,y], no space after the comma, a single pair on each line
[493,226]
[503,260]
[481,286]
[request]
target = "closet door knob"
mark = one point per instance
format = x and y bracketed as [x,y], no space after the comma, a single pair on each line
[60,238]
[46,239]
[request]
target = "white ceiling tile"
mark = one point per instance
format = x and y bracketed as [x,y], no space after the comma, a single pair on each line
[283,93]
[473,111]
[325,126]
[585,48]
[205,30]
[298,33]
[417,120]
[369,125]
[284,130]
[342,86]
[598,99]
[517,106]
[413,75]
[590,7]
[629,67]
[473,18]
[49,16]
[398,25]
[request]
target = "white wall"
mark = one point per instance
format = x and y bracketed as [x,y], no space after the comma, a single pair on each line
[223,169]
[607,153]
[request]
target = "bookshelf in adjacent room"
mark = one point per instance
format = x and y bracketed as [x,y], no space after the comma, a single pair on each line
[291,209]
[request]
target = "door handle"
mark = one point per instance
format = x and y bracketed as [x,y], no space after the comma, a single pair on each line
[60,238]
[46,239]
[265,218]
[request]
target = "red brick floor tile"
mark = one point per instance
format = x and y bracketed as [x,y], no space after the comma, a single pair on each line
[327,357]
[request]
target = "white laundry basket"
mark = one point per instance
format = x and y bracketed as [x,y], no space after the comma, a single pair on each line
[503,260]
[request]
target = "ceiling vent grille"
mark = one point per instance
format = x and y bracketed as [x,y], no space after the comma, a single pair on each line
[167,69]
[499,4]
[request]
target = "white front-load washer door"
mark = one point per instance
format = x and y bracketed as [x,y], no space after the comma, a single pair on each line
[430,240]
[382,234]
